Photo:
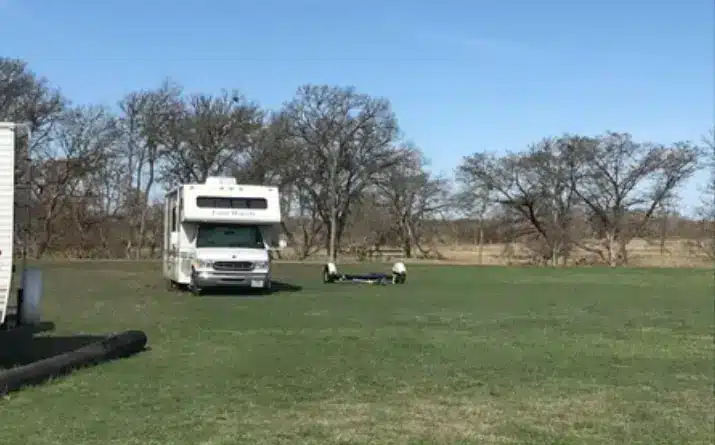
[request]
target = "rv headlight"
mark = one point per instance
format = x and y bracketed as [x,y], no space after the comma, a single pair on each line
[203,264]
[260,265]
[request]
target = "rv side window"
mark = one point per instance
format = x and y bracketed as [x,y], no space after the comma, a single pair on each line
[249,203]
[214,203]
[231,203]
[258,203]
[222,203]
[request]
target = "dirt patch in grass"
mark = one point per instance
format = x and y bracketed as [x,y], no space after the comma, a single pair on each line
[396,421]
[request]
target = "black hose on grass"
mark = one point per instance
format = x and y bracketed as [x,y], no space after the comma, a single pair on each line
[113,347]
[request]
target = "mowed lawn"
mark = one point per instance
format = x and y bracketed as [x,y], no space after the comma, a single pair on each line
[458,355]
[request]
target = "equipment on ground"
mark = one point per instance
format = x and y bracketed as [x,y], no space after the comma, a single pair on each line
[113,347]
[219,234]
[398,275]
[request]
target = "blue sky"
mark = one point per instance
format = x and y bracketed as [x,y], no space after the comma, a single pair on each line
[462,75]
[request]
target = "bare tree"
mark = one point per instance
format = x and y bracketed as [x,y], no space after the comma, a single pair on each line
[82,143]
[616,176]
[270,158]
[209,136]
[145,120]
[27,98]
[345,139]
[411,195]
[307,223]
[472,201]
[534,188]
[704,242]
[273,159]
[371,226]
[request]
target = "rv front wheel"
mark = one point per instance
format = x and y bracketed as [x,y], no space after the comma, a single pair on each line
[193,287]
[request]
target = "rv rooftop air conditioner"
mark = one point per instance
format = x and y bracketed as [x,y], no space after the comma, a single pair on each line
[220,180]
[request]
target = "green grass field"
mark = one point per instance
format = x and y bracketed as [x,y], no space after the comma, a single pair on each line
[459,355]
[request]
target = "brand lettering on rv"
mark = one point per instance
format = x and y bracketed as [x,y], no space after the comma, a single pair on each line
[233,213]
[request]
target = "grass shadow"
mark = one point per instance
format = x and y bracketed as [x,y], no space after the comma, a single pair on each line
[21,345]
[276,287]
[11,327]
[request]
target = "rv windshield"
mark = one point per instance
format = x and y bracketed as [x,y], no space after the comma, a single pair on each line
[229,235]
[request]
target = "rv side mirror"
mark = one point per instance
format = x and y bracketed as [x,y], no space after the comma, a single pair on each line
[282,243]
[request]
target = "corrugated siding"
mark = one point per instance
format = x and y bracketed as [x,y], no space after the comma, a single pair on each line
[7,208]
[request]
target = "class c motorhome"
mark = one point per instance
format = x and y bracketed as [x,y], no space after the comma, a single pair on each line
[220,234]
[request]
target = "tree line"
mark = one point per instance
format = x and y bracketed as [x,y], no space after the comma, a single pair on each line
[89,175]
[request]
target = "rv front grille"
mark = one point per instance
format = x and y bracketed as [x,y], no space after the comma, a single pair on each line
[233,265]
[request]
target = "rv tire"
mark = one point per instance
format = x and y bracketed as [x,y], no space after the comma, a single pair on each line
[193,287]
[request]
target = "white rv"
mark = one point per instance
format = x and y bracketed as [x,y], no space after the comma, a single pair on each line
[219,234]
[30,290]
[7,213]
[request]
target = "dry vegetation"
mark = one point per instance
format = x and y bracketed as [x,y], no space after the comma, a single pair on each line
[593,416]
[675,253]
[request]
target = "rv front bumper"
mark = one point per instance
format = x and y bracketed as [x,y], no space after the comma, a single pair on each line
[211,278]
